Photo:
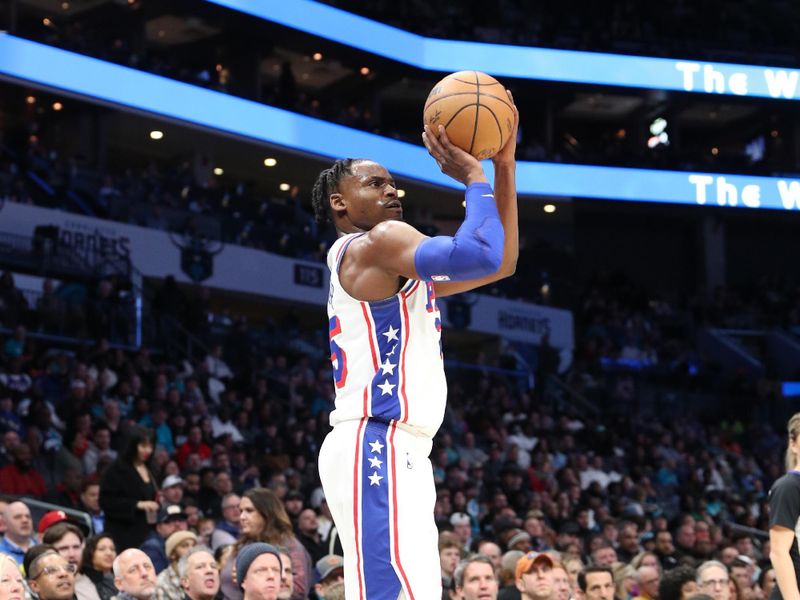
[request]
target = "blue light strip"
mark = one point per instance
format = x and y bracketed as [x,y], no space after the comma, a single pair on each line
[790,389]
[523,62]
[89,78]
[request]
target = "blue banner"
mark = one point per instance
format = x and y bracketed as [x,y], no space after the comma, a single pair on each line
[523,62]
[99,81]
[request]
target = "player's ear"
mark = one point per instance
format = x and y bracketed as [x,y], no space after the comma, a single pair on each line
[337,201]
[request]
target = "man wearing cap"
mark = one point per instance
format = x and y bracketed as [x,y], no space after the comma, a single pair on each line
[134,575]
[199,574]
[172,490]
[170,519]
[331,572]
[19,531]
[474,579]
[168,583]
[259,571]
[462,527]
[534,576]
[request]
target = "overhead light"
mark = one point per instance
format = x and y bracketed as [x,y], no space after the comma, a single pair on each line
[30,100]
[57,106]
[270,162]
[364,70]
[161,33]
[47,22]
[658,125]
[401,193]
[156,134]
[549,208]
[65,5]
[218,171]
[284,187]
[774,133]
[317,56]
[715,151]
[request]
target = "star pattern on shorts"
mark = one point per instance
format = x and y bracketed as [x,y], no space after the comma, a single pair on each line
[388,367]
[375,479]
[391,334]
[375,462]
[375,446]
[386,387]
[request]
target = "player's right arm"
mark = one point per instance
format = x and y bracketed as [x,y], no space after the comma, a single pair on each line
[394,249]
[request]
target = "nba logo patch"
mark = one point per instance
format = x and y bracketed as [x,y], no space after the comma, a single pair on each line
[440,278]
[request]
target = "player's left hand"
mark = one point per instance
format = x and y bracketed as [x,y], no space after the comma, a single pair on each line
[508,150]
[452,160]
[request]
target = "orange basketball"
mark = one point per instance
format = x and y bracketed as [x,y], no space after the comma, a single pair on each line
[475,111]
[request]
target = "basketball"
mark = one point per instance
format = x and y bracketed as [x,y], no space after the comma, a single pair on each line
[475,111]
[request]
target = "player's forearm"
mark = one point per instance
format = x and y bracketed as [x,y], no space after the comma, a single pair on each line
[505,194]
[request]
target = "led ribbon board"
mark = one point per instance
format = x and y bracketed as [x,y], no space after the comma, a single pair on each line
[523,62]
[99,81]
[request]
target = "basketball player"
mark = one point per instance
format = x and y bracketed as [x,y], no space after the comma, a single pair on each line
[385,335]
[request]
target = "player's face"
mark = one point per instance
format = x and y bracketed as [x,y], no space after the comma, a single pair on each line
[368,196]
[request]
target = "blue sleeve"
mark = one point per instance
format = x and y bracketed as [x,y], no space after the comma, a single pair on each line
[475,251]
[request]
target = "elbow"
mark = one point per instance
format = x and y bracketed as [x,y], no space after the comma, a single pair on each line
[509,268]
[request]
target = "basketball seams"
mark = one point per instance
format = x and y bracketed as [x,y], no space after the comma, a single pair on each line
[499,126]
[477,110]
[492,96]
[472,83]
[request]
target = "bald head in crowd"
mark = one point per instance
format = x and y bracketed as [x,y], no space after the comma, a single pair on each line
[134,574]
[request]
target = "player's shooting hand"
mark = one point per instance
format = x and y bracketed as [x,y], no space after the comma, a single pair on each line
[452,160]
[506,154]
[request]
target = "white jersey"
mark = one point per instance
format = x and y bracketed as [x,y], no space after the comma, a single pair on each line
[386,355]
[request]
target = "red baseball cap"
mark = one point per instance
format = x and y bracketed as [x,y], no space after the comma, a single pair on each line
[51,518]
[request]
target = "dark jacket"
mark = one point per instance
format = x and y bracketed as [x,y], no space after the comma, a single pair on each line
[104,582]
[120,489]
[155,547]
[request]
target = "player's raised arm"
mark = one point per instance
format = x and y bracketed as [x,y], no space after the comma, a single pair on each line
[505,194]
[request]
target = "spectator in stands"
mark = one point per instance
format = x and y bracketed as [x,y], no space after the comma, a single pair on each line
[134,575]
[603,554]
[97,564]
[90,504]
[713,579]
[647,580]
[307,532]
[194,445]
[169,520]
[263,519]
[68,541]
[172,490]
[19,531]
[258,568]
[474,578]
[450,553]
[168,583]
[534,573]
[562,590]
[596,583]
[287,576]
[628,541]
[766,581]
[685,539]
[20,478]
[462,528]
[331,571]
[227,528]
[51,576]
[678,584]
[665,550]
[12,586]
[99,450]
[128,491]
[199,574]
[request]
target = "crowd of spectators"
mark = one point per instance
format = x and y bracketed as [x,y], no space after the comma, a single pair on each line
[150,446]
[711,30]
